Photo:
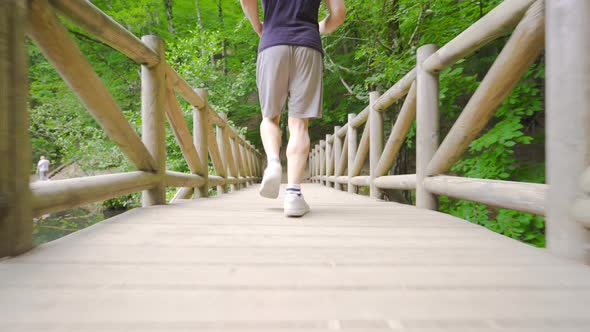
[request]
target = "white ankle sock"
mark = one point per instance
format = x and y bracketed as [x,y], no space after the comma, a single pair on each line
[294,189]
[273,159]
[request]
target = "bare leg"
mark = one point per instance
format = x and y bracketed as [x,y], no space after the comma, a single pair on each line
[270,132]
[297,149]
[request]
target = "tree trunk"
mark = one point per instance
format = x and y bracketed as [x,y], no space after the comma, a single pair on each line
[169,15]
[224,41]
[199,20]
[391,8]
[199,24]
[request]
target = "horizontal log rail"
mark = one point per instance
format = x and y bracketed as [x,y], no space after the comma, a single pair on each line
[57,195]
[397,91]
[176,179]
[397,182]
[85,15]
[360,180]
[520,196]
[498,22]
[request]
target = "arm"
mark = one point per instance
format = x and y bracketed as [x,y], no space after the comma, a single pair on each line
[336,16]
[250,8]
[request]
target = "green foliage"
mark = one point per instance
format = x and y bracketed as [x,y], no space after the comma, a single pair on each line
[492,156]
[56,225]
[125,202]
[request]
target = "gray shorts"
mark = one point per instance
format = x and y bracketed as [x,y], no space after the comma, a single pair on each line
[290,71]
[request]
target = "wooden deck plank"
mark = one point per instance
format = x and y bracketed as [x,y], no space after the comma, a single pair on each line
[234,263]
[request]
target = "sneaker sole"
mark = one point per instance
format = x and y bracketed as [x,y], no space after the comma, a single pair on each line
[269,187]
[296,213]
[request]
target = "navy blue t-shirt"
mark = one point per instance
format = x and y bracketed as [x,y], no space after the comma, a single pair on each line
[290,22]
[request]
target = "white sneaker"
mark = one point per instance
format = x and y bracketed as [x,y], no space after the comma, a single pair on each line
[295,205]
[271,181]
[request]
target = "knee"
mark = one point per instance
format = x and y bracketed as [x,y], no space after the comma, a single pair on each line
[297,126]
[269,123]
[273,121]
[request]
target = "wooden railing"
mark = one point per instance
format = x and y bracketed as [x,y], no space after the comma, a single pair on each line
[235,160]
[330,158]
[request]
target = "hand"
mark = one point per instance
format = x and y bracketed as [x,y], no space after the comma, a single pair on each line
[258,29]
[322,27]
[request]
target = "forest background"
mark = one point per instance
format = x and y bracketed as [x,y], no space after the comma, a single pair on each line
[211,44]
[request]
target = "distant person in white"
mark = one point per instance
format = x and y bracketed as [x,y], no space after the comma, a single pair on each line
[43,168]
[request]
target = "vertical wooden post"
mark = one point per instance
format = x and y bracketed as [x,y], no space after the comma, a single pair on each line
[153,115]
[222,153]
[322,162]
[229,154]
[337,153]
[312,164]
[248,158]
[244,155]
[255,158]
[251,154]
[201,141]
[309,164]
[259,166]
[16,222]
[254,163]
[568,123]
[258,163]
[241,162]
[426,125]
[352,148]
[317,162]
[248,162]
[328,160]
[235,158]
[375,142]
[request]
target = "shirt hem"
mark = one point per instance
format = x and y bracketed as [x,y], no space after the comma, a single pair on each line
[262,48]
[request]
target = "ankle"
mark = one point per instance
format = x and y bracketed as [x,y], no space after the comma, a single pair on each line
[293,189]
[273,159]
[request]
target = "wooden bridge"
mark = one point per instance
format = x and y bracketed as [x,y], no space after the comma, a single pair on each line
[233,262]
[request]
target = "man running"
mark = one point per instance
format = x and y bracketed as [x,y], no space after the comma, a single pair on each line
[290,65]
